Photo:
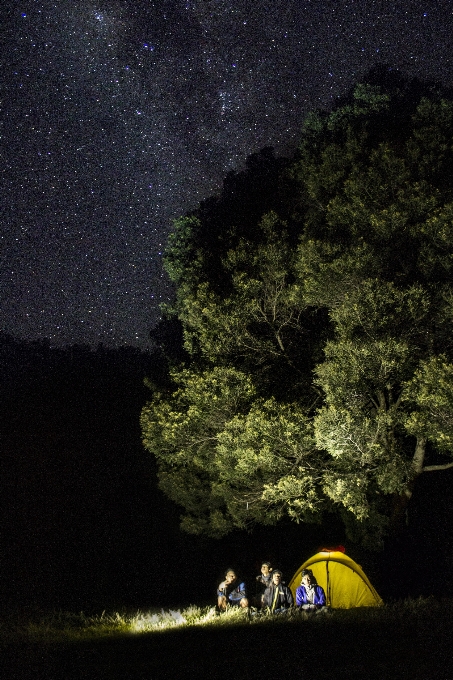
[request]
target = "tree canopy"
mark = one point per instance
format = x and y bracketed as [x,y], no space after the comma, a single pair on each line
[318,374]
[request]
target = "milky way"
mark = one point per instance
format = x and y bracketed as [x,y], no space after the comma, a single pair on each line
[117,117]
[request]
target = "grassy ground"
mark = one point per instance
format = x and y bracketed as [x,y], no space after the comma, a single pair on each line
[410,639]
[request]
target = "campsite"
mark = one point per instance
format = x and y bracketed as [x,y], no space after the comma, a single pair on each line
[298,397]
[71,590]
[360,637]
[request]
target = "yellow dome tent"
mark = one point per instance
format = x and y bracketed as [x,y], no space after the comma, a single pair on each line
[344,581]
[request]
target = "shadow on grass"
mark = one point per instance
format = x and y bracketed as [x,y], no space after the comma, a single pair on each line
[397,642]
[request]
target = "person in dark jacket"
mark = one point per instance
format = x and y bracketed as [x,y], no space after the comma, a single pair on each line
[277,597]
[231,592]
[309,596]
[263,580]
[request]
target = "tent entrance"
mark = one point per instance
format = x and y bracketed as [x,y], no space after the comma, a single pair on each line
[344,581]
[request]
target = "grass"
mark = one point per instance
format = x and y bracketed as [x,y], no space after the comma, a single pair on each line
[66,627]
[404,639]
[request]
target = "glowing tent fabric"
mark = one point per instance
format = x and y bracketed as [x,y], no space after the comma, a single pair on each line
[344,581]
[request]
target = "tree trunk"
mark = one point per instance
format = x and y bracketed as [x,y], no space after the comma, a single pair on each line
[399,518]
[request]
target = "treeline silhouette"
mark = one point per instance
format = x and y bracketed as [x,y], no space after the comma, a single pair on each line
[79,497]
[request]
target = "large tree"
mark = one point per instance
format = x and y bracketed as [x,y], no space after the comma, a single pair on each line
[333,323]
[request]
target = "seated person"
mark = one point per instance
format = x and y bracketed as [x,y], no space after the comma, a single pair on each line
[309,596]
[277,597]
[231,592]
[262,581]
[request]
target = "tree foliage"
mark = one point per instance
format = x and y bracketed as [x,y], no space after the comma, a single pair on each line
[331,314]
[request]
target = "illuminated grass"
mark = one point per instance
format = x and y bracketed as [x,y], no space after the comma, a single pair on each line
[68,627]
[401,640]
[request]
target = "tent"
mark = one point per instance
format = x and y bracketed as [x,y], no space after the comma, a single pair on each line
[344,581]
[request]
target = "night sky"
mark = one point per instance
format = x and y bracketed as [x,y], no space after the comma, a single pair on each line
[119,116]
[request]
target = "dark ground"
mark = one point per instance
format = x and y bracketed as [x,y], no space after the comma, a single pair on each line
[412,648]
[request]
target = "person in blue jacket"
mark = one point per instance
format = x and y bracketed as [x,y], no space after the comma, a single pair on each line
[310,596]
[231,592]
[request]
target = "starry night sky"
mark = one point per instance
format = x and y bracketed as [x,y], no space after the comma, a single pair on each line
[119,116]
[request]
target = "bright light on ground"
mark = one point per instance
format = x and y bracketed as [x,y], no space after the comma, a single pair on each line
[192,616]
[144,622]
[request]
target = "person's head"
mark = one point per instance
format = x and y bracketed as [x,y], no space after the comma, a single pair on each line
[277,576]
[308,578]
[266,568]
[230,576]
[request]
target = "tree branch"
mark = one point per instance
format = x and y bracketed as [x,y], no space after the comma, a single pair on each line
[430,468]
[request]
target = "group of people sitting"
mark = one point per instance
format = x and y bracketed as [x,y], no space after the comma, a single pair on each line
[275,597]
